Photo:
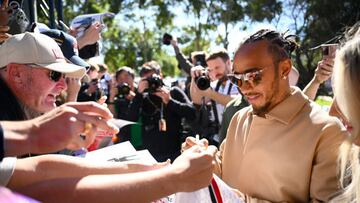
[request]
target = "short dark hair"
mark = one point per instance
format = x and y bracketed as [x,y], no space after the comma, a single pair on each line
[150,66]
[93,66]
[222,53]
[280,44]
[125,69]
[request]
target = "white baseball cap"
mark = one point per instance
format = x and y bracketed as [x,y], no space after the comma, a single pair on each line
[39,49]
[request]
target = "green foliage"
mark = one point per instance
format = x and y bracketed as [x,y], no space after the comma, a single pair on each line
[259,10]
[168,64]
[134,37]
[317,22]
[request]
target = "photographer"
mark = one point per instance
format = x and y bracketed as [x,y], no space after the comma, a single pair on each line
[161,111]
[90,88]
[185,64]
[122,92]
[212,99]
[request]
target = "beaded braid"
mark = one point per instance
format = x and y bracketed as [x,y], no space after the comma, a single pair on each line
[283,45]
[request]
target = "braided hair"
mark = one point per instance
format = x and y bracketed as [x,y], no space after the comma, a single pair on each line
[281,45]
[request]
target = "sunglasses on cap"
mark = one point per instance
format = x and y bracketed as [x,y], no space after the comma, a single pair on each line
[239,79]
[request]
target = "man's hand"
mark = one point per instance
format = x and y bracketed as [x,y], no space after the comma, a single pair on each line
[62,126]
[197,71]
[58,129]
[143,85]
[91,35]
[113,91]
[195,92]
[164,94]
[3,33]
[194,168]
[324,70]
[4,13]
[191,141]
[73,88]
[4,19]
[131,95]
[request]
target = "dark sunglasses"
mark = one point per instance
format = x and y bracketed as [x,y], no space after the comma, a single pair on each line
[53,75]
[56,76]
[239,79]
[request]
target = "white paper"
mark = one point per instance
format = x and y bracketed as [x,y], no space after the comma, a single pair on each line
[121,123]
[120,153]
[124,149]
[88,19]
[203,195]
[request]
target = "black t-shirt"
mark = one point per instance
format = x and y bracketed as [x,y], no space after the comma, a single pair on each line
[127,111]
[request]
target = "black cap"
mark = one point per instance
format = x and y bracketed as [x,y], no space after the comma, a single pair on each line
[68,46]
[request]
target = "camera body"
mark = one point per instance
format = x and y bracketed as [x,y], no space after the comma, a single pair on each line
[202,82]
[123,90]
[167,39]
[154,82]
[199,59]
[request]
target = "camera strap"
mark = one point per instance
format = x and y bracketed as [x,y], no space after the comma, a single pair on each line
[213,104]
[229,90]
[162,121]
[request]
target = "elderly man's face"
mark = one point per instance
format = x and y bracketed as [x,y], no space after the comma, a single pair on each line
[33,86]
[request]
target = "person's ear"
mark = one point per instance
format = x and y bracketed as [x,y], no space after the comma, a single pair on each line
[285,68]
[15,73]
[228,63]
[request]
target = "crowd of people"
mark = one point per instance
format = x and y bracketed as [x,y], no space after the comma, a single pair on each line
[263,136]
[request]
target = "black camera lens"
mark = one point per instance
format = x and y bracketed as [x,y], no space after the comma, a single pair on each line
[202,82]
[167,39]
[155,82]
[123,89]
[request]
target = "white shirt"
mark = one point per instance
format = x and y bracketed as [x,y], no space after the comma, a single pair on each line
[7,167]
[224,89]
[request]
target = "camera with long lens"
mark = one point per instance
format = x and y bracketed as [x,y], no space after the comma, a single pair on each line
[155,82]
[202,82]
[123,90]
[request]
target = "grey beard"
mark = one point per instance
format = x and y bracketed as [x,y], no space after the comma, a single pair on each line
[28,112]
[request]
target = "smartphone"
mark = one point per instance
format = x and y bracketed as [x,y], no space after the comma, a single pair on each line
[329,50]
